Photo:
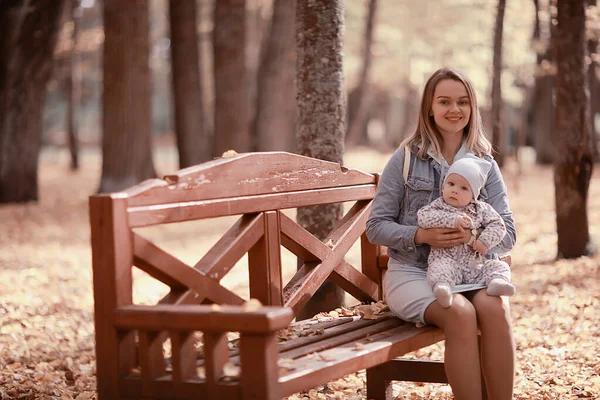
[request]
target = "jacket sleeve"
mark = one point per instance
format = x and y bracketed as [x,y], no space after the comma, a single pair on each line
[498,199]
[494,229]
[433,216]
[382,226]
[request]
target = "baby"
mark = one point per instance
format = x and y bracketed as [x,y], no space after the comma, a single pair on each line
[458,208]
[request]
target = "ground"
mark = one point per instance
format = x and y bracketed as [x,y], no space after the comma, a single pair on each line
[46,303]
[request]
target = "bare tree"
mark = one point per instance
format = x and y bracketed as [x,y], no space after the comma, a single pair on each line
[126,150]
[593,83]
[194,144]
[498,139]
[543,109]
[574,163]
[357,133]
[73,85]
[231,127]
[275,121]
[321,116]
[28,33]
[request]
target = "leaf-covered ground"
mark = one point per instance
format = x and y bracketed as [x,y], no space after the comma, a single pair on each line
[46,303]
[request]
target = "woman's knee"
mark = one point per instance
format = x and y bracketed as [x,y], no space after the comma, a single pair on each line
[491,308]
[462,312]
[460,318]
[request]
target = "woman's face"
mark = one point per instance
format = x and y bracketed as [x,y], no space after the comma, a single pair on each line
[451,107]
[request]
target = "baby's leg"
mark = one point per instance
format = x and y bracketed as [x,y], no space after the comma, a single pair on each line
[441,275]
[497,276]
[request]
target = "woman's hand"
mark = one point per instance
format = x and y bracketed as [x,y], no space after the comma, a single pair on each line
[442,237]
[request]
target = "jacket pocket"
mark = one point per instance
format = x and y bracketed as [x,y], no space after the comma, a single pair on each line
[418,194]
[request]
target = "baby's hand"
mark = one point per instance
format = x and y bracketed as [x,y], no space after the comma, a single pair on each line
[479,247]
[463,222]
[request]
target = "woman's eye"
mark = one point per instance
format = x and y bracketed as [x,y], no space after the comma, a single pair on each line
[463,103]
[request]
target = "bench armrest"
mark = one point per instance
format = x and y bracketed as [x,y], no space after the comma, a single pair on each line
[207,318]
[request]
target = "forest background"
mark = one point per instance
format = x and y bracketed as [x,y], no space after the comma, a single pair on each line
[46,305]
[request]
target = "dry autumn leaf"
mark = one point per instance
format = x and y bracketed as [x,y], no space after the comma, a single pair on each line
[252,305]
[46,303]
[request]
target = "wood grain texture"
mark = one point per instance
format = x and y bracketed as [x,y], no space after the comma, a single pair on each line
[203,318]
[164,213]
[247,174]
[112,259]
[162,265]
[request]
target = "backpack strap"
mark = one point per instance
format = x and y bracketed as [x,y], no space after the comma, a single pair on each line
[407,155]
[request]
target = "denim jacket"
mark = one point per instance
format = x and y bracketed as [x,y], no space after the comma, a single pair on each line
[393,219]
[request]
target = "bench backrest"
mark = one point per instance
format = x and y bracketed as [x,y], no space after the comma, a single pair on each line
[256,186]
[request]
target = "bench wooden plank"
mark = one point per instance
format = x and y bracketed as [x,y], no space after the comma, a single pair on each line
[252,173]
[215,355]
[203,318]
[365,353]
[112,259]
[264,263]
[310,276]
[232,246]
[159,264]
[350,333]
[140,216]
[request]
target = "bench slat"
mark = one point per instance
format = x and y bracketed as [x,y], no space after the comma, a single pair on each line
[246,175]
[140,216]
[160,264]
[202,318]
[310,276]
[351,333]
[313,370]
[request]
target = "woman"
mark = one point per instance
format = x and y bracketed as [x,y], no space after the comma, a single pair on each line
[448,128]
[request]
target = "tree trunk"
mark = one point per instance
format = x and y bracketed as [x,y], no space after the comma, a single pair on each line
[126,147]
[275,121]
[321,116]
[193,143]
[573,165]
[498,135]
[231,82]
[357,133]
[594,89]
[541,133]
[73,86]
[28,33]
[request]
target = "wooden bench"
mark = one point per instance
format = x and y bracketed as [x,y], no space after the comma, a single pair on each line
[198,313]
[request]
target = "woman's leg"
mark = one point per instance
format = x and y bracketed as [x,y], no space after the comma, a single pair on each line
[497,344]
[461,360]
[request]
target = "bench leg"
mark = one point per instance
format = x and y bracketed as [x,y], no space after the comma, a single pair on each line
[378,387]
[379,378]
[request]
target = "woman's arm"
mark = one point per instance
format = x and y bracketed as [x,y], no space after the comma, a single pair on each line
[382,227]
[498,199]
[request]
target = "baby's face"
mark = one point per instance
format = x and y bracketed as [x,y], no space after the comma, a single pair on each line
[457,191]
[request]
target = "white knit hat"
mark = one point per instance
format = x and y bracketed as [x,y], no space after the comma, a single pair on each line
[473,169]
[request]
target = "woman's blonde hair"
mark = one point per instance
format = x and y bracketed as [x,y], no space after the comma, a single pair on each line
[426,134]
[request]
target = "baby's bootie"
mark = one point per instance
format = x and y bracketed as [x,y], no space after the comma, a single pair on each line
[500,287]
[443,294]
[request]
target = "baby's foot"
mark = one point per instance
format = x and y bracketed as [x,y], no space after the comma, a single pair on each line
[499,287]
[443,294]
